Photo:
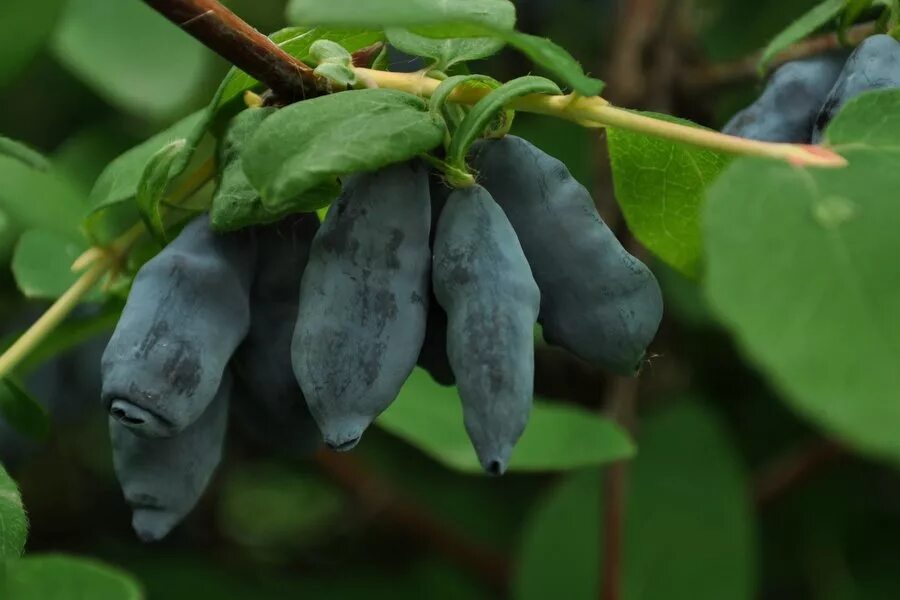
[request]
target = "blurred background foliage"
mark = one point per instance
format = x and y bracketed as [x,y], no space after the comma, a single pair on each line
[729,496]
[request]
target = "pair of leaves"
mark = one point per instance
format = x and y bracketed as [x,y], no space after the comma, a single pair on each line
[558,437]
[802,267]
[689,531]
[482,20]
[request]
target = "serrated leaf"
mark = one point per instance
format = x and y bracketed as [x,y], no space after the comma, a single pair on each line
[21,411]
[310,143]
[296,41]
[660,186]
[41,263]
[484,111]
[13,522]
[24,29]
[802,268]
[60,577]
[23,154]
[557,438]
[152,187]
[444,52]
[688,525]
[131,56]
[816,17]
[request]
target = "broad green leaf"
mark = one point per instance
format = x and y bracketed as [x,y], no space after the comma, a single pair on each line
[153,184]
[36,199]
[484,111]
[41,263]
[557,438]
[60,577]
[13,522]
[23,153]
[689,531]
[660,186]
[309,143]
[131,55]
[801,266]
[448,20]
[297,42]
[119,182]
[444,52]
[21,411]
[24,29]
[816,17]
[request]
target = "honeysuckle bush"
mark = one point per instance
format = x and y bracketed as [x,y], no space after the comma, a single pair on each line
[791,246]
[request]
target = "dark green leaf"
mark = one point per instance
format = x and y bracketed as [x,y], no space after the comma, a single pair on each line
[802,27]
[22,412]
[153,184]
[60,577]
[24,29]
[557,438]
[802,268]
[688,527]
[23,153]
[309,143]
[41,263]
[660,186]
[131,56]
[13,522]
[483,113]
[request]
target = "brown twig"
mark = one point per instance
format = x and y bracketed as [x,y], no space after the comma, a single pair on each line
[232,38]
[413,520]
[786,472]
[711,76]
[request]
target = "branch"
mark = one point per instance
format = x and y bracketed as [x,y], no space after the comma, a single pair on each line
[413,520]
[233,39]
[717,75]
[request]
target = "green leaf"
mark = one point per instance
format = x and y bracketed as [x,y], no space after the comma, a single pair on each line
[558,437]
[689,531]
[21,411]
[327,51]
[660,186]
[484,111]
[23,153]
[309,143]
[296,41]
[341,75]
[24,29]
[131,55]
[816,17]
[41,263]
[118,184]
[802,268]
[36,199]
[13,522]
[448,20]
[153,184]
[60,577]
[444,52]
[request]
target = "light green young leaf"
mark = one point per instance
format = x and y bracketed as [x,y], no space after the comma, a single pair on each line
[296,41]
[60,577]
[484,111]
[816,17]
[323,51]
[23,153]
[557,438]
[41,263]
[21,411]
[24,29]
[660,186]
[338,74]
[310,143]
[131,56]
[13,522]
[153,184]
[689,531]
[801,266]
[445,53]
[555,59]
